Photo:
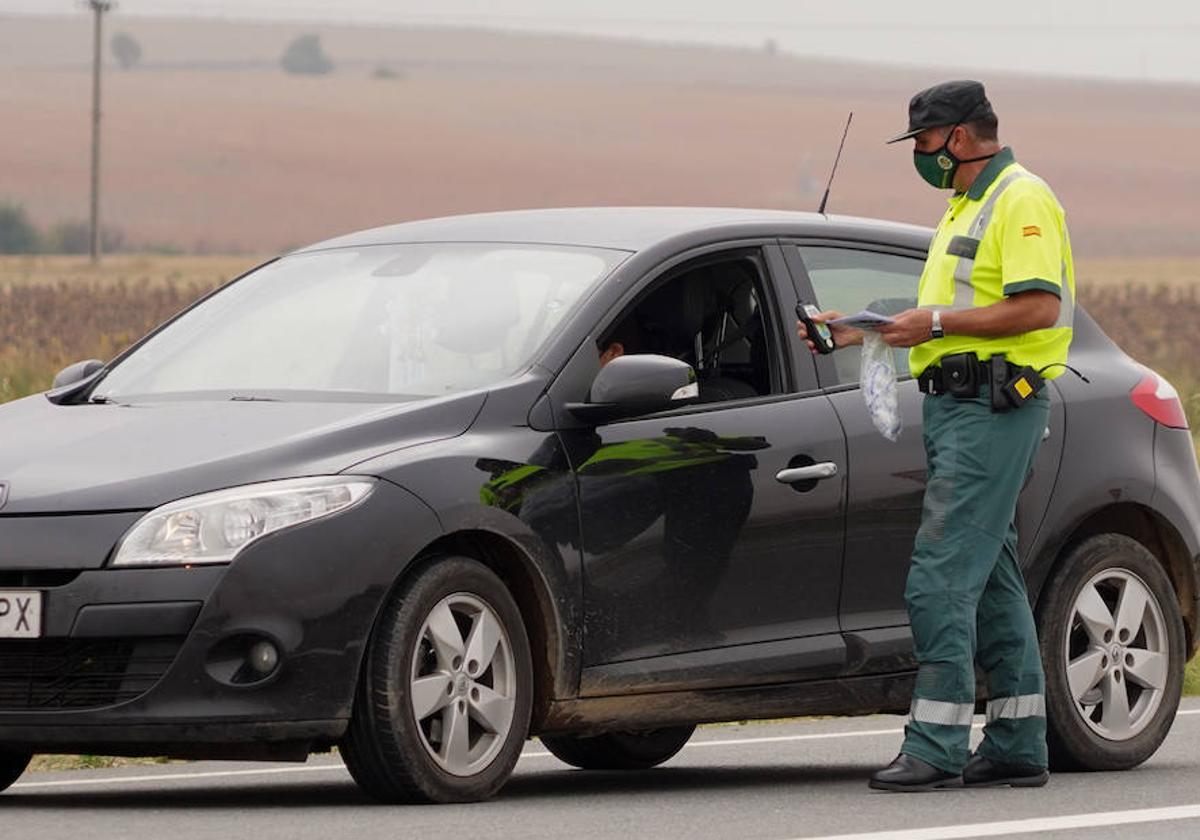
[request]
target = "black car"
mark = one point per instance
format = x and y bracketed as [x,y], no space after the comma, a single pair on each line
[424,491]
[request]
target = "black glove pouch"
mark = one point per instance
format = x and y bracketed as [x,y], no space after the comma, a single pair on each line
[960,375]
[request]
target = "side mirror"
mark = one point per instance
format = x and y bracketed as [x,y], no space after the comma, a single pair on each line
[638,384]
[73,380]
[76,373]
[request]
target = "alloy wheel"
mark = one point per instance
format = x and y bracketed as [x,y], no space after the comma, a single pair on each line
[463,683]
[1117,654]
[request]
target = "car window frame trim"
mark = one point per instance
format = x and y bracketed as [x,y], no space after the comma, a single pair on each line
[790,246]
[776,273]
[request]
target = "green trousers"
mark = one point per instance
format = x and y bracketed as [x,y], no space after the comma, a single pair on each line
[966,598]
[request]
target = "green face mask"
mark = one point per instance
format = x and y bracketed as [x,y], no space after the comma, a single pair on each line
[939,167]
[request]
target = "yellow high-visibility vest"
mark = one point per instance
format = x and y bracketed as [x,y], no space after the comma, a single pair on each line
[1005,235]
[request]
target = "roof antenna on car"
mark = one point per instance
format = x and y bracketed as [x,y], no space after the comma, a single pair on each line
[832,172]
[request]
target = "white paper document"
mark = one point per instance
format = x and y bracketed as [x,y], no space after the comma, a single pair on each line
[865,320]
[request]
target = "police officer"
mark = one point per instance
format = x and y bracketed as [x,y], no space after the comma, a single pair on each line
[998,280]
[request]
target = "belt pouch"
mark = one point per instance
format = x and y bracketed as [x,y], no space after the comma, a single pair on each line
[960,375]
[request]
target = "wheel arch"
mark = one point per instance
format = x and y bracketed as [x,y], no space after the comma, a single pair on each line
[1152,530]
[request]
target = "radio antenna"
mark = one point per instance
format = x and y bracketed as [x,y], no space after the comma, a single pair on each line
[832,172]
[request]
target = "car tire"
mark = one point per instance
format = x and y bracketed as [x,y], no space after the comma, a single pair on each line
[1112,641]
[12,765]
[619,750]
[438,717]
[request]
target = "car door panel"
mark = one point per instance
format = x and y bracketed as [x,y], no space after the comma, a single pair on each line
[691,544]
[697,545]
[883,511]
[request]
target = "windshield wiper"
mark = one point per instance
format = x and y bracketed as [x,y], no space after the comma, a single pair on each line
[101,400]
[247,398]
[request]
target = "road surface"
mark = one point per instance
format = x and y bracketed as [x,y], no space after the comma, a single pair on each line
[775,781]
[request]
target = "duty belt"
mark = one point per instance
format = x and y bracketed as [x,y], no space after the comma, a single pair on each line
[935,380]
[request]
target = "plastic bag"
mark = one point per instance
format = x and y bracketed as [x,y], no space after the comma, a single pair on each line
[878,382]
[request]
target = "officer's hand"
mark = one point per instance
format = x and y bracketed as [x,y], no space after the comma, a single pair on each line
[842,336]
[910,328]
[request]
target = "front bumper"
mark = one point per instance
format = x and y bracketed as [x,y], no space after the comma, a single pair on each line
[135,661]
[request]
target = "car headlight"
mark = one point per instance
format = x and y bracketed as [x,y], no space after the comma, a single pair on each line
[214,527]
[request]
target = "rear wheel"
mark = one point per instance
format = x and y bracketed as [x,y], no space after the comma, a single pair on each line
[442,711]
[1112,641]
[619,750]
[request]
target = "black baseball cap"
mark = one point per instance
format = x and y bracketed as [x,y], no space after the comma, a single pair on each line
[945,104]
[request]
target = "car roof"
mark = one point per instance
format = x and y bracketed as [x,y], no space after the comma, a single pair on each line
[626,228]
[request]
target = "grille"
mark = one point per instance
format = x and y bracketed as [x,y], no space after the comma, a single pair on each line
[80,673]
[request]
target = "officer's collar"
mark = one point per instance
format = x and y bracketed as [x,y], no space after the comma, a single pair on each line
[995,166]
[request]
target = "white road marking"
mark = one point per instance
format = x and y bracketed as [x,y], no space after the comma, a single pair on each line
[158,777]
[1034,825]
[324,768]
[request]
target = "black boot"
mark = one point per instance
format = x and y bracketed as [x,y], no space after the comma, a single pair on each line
[983,772]
[908,774]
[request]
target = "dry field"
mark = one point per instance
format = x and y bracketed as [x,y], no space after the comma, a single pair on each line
[1122,272]
[143,270]
[59,310]
[210,146]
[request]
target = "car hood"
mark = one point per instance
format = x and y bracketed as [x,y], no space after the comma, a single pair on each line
[90,458]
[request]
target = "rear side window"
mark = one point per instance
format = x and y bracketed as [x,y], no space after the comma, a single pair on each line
[850,280]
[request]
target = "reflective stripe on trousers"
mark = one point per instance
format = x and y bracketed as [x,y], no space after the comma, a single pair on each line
[1023,706]
[941,712]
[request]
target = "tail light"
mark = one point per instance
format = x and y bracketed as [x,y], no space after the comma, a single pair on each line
[1159,400]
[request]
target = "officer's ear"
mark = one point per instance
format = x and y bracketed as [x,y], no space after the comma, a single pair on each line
[961,139]
[954,139]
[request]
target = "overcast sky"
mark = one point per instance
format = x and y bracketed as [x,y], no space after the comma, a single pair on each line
[1150,39]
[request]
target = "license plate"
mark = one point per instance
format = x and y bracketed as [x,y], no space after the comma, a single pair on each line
[20,614]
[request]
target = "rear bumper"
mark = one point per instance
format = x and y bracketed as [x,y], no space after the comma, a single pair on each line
[1177,498]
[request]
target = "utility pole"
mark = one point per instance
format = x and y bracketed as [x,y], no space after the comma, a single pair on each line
[98,8]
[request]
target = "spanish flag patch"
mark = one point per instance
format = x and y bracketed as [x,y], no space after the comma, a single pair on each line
[1031,230]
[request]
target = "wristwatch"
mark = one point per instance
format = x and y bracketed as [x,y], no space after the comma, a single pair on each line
[936,331]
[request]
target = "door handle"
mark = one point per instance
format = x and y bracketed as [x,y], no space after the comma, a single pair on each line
[813,472]
[1046,434]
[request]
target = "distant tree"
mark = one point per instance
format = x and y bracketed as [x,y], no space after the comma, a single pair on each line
[304,56]
[384,72]
[127,51]
[17,233]
[74,237]
[770,46]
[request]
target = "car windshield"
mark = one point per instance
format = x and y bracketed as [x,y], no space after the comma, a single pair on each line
[394,321]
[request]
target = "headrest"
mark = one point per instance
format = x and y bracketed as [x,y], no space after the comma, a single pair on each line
[676,311]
